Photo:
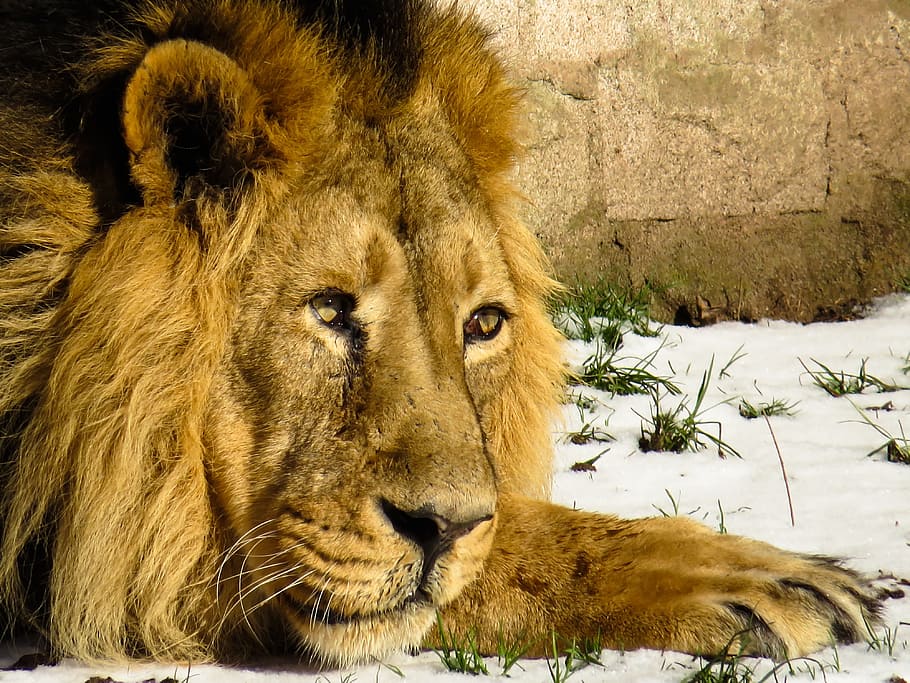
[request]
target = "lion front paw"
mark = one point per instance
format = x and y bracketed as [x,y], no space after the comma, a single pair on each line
[802,611]
[733,594]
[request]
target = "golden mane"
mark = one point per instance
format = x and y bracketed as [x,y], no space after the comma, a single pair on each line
[110,331]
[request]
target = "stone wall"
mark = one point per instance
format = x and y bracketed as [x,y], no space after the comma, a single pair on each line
[750,154]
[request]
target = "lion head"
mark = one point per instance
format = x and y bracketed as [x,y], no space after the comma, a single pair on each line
[273,343]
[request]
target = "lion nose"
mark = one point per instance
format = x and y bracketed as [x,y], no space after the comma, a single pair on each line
[432,533]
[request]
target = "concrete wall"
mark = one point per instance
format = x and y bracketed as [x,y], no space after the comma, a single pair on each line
[751,153]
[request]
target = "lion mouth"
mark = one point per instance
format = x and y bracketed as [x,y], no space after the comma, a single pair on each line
[317,615]
[340,639]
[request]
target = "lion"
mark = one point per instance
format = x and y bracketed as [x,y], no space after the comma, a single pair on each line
[277,370]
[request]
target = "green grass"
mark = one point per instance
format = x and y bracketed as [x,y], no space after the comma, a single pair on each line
[884,642]
[683,428]
[461,656]
[582,401]
[601,311]
[322,678]
[739,669]
[721,522]
[674,506]
[588,465]
[576,656]
[509,654]
[674,503]
[841,383]
[603,370]
[728,666]
[773,408]
[737,355]
[588,432]
[733,669]
[389,667]
[896,448]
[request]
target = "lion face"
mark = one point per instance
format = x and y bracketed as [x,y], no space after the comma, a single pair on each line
[348,453]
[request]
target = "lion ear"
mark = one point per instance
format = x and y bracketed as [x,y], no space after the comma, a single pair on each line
[194,122]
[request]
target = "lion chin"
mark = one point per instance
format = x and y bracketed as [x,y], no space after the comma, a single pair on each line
[363,638]
[275,357]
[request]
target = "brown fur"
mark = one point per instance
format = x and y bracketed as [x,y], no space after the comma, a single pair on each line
[196,466]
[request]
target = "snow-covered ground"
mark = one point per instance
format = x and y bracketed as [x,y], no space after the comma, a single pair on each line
[845,502]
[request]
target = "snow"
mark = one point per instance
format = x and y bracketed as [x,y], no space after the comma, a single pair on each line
[846,502]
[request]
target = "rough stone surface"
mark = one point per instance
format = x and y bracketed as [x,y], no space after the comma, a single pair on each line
[751,153]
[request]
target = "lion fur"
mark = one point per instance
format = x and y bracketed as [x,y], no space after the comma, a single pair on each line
[109,333]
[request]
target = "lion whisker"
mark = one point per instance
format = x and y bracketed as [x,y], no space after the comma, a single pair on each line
[284,569]
[271,578]
[293,584]
[324,583]
[235,548]
[240,600]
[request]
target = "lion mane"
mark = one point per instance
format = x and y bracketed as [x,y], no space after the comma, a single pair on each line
[122,258]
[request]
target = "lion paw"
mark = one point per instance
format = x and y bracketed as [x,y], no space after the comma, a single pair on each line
[800,611]
[731,594]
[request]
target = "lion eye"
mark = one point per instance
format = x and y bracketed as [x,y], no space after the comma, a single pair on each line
[484,324]
[333,308]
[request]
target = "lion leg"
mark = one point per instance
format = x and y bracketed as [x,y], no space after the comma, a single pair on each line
[662,583]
